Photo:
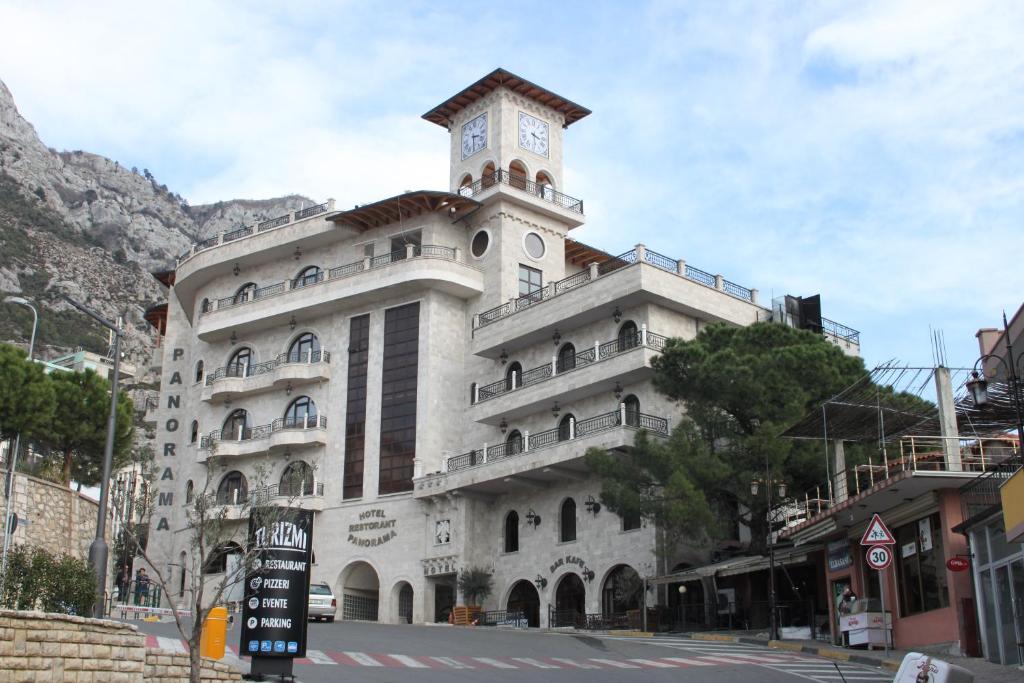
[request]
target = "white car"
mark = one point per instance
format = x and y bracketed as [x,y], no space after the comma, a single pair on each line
[322,603]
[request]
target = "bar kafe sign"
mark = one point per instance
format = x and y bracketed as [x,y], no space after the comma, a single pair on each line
[276,601]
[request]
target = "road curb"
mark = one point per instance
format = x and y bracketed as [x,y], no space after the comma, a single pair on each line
[819,650]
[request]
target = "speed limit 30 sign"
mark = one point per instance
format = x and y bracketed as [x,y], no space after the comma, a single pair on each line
[879,557]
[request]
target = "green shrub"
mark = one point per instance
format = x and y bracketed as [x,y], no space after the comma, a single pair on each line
[37,579]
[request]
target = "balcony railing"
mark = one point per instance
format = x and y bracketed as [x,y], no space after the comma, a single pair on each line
[920,454]
[264,494]
[597,271]
[263,431]
[596,353]
[242,370]
[981,495]
[248,230]
[552,437]
[368,263]
[834,329]
[545,192]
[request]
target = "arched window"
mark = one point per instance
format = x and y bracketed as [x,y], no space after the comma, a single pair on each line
[566,358]
[305,349]
[517,175]
[465,188]
[237,427]
[565,427]
[512,532]
[246,292]
[489,175]
[516,370]
[545,188]
[310,275]
[233,489]
[567,528]
[199,371]
[194,433]
[514,443]
[241,361]
[628,336]
[190,492]
[205,307]
[301,413]
[217,561]
[632,410]
[297,480]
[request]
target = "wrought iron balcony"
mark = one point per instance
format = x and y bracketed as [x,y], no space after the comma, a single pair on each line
[368,263]
[264,494]
[263,431]
[503,177]
[552,437]
[248,230]
[244,370]
[642,338]
[638,255]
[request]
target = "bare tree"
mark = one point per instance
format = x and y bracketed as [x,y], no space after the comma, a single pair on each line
[216,525]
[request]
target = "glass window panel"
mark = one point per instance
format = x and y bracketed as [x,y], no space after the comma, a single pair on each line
[398,398]
[1004,606]
[355,416]
[988,602]
[997,538]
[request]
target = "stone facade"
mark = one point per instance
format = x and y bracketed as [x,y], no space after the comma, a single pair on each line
[52,516]
[394,556]
[173,667]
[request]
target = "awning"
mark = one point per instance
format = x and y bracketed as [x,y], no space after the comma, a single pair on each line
[738,565]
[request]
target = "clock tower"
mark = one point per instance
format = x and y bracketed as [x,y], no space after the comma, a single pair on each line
[506,127]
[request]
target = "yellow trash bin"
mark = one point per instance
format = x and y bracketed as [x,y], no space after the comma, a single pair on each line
[215,633]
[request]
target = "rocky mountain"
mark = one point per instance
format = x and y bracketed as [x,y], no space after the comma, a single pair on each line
[81,225]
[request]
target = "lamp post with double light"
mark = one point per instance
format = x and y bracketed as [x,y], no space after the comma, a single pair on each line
[13,461]
[978,385]
[780,487]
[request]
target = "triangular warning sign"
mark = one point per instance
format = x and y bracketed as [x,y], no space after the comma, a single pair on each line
[877,533]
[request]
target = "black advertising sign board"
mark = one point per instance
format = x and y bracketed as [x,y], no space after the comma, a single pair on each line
[276,601]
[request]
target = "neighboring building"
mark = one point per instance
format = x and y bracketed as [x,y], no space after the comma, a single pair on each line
[82,360]
[427,371]
[997,549]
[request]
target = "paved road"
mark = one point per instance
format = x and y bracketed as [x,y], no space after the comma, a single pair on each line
[349,651]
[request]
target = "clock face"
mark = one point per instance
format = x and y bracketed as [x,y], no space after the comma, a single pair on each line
[474,136]
[533,134]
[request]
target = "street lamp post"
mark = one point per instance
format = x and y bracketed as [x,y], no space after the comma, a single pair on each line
[98,550]
[978,385]
[13,462]
[768,484]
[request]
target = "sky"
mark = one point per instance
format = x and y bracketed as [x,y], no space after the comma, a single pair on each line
[870,152]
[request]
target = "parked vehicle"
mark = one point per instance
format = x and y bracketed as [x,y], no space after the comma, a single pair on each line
[322,603]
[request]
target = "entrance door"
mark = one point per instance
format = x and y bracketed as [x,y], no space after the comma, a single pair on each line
[570,601]
[444,601]
[524,598]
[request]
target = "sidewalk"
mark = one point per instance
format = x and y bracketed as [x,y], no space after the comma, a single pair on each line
[983,670]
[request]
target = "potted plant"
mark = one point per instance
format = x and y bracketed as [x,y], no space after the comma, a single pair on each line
[475,584]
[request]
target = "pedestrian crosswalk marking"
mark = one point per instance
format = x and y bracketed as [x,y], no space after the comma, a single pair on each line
[688,662]
[534,662]
[448,661]
[652,663]
[574,663]
[616,664]
[362,658]
[409,661]
[496,663]
[318,657]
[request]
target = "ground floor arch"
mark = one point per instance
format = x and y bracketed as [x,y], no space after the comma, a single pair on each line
[524,598]
[570,601]
[402,598]
[359,588]
[621,591]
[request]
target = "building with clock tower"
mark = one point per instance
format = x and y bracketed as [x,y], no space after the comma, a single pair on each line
[426,372]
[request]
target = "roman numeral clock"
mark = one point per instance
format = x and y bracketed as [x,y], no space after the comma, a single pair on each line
[533,134]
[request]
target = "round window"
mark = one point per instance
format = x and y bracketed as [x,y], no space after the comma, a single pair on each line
[481,241]
[534,245]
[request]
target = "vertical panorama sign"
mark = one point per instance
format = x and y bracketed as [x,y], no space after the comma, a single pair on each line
[276,601]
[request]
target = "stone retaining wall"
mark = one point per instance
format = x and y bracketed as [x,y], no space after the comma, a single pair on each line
[58,518]
[36,647]
[163,666]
